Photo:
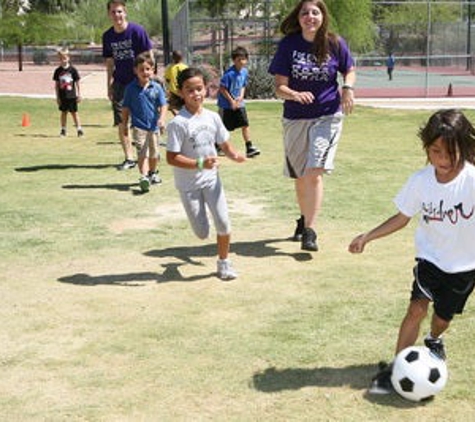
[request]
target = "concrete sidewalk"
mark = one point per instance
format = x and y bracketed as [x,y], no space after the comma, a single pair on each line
[36,81]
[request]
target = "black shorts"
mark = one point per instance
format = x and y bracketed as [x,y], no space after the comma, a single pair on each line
[69,105]
[234,119]
[118,91]
[449,292]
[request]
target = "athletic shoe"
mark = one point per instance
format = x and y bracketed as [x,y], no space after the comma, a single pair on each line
[80,133]
[144,183]
[436,346]
[381,382]
[219,150]
[299,230]
[225,270]
[154,178]
[252,151]
[62,134]
[309,240]
[127,164]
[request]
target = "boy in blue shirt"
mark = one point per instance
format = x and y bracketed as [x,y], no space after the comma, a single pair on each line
[145,102]
[231,98]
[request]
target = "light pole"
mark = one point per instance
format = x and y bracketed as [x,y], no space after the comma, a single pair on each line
[165,33]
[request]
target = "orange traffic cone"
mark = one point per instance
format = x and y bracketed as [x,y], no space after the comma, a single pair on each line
[25,121]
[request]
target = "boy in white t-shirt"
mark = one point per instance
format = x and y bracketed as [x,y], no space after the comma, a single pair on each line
[443,193]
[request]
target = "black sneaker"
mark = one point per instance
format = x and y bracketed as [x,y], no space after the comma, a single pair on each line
[154,178]
[252,151]
[127,164]
[381,382]
[309,240]
[80,133]
[436,346]
[299,230]
[62,134]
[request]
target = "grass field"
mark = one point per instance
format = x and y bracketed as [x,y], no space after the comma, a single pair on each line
[111,310]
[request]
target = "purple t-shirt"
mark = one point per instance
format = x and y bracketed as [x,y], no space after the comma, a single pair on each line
[123,47]
[294,60]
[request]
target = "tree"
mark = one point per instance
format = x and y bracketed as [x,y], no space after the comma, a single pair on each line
[22,26]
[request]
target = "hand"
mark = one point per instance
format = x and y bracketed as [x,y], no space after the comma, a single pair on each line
[210,162]
[357,244]
[304,97]
[347,101]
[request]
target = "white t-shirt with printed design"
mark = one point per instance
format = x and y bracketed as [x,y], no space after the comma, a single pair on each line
[446,232]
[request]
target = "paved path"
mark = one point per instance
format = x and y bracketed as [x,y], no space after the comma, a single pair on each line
[36,81]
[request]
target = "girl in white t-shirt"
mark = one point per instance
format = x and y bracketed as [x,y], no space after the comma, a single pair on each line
[192,136]
[443,194]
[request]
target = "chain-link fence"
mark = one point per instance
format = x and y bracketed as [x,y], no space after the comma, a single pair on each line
[431,42]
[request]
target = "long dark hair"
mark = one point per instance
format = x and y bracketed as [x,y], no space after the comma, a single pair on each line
[455,130]
[325,41]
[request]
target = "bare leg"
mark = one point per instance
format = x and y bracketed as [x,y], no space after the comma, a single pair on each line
[309,189]
[125,143]
[411,324]
[223,245]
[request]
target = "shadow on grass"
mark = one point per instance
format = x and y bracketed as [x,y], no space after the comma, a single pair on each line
[64,167]
[185,256]
[256,249]
[357,377]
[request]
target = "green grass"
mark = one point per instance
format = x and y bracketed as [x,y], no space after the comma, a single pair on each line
[111,310]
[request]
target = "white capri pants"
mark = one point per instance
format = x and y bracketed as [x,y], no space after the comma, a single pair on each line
[195,203]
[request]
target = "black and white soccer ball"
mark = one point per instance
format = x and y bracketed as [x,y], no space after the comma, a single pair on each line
[418,374]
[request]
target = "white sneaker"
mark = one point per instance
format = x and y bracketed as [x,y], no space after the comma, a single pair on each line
[225,270]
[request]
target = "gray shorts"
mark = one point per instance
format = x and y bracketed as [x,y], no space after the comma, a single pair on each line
[195,203]
[311,143]
[146,143]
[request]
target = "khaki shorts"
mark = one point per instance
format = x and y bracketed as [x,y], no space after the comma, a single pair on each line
[146,143]
[311,143]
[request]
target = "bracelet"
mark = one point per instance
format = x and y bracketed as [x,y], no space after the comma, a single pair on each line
[348,87]
[200,163]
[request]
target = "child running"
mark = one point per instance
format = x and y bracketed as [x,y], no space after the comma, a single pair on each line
[192,135]
[144,100]
[443,194]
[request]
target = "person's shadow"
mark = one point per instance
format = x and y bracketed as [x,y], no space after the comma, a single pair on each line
[357,377]
[180,257]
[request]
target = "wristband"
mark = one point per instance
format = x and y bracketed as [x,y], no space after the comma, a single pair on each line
[200,163]
[348,87]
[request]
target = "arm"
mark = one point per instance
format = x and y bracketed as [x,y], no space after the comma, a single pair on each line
[232,101]
[179,160]
[283,91]
[348,93]
[162,117]
[231,153]
[110,71]
[391,225]
[78,87]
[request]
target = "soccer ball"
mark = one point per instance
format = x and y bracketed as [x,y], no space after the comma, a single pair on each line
[418,374]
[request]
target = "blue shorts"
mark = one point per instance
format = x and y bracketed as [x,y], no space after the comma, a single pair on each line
[449,292]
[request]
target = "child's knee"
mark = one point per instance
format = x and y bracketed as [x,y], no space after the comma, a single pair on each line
[418,309]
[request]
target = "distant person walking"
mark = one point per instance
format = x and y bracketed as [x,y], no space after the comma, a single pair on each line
[171,74]
[390,63]
[121,44]
[68,92]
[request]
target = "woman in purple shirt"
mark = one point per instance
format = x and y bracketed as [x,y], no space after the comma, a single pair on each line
[306,67]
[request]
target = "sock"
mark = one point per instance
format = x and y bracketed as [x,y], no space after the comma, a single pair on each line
[429,337]
[248,144]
